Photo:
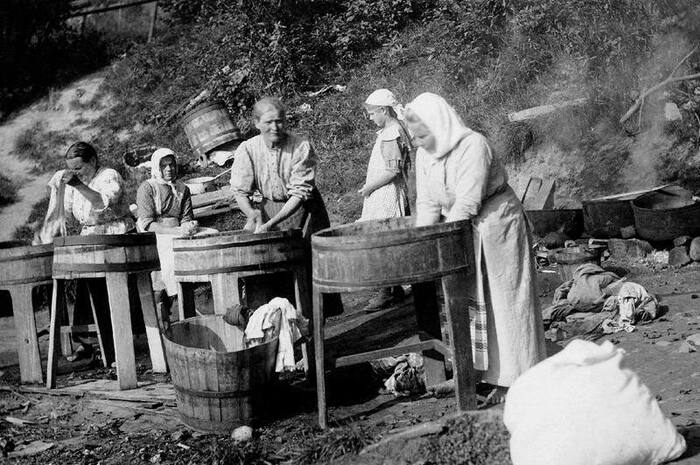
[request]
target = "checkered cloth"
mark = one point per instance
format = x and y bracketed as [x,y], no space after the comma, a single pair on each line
[477,326]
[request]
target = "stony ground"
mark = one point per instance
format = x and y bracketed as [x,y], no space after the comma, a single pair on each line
[87,428]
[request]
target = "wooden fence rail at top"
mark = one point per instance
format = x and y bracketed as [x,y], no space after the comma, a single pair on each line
[84,8]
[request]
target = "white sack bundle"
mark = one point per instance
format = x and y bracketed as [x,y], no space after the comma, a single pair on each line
[582,407]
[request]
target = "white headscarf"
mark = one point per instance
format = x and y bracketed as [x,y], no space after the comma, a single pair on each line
[156,173]
[385,98]
[442,120]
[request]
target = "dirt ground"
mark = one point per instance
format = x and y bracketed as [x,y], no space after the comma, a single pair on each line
[88,426]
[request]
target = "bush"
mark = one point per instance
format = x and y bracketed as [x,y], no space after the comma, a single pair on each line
[8,190]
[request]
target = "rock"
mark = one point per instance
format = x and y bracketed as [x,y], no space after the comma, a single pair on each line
[694,252]
[671,112]
[678,256]
[694,339]
[628,232]
[242,434]
[629,248]
[686,348]
[682,241]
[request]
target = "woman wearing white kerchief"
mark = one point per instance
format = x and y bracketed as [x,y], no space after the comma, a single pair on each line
[164,206]
[459,178]
[385,190]
[164,203]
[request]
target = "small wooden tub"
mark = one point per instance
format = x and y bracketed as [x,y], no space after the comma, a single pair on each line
[25,264]
[237,252]
[93,256]
[218,383]
[380,253]
[570,258]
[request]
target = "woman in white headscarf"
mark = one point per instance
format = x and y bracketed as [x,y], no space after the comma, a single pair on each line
[458,177]
[385,190]
[164,206]
[164,203]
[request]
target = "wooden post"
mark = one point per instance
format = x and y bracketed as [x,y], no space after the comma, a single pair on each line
[154,17]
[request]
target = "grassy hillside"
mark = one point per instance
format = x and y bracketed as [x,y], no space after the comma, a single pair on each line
[487,57]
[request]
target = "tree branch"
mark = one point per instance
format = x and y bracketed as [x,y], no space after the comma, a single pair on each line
[651,90]
[640,101]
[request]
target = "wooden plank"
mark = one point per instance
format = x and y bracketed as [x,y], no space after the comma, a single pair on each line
[27,340]
[542,110]
[319,359]
[150,320]
[539,194]
[545,196]
[456,306]
[302,300]
[632,194]
[102,327]
[225,293]
[78,329]
[206,212]
[57,304]
[146,392]
[208,198]
[382,353]
[118,291]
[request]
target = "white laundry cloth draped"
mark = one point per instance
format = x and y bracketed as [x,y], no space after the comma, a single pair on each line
[277,318]
[55,220]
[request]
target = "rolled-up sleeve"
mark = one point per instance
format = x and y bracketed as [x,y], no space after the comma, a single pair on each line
[187,212]
[390,149]
[242,171]
[146,207]
[473,167]
[303,174]
[427,209]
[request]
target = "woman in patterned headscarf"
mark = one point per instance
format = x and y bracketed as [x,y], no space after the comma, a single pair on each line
[458,177]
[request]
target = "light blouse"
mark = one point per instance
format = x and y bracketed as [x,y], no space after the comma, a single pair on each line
[278,173]
[455,185]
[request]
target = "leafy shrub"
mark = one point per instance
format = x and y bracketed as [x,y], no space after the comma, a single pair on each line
[8,190]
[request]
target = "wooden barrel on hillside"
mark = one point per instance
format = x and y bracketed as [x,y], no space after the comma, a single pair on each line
[209,126]
[93,256]
[381,253]
[25,264]
[237,252]
[219,384]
